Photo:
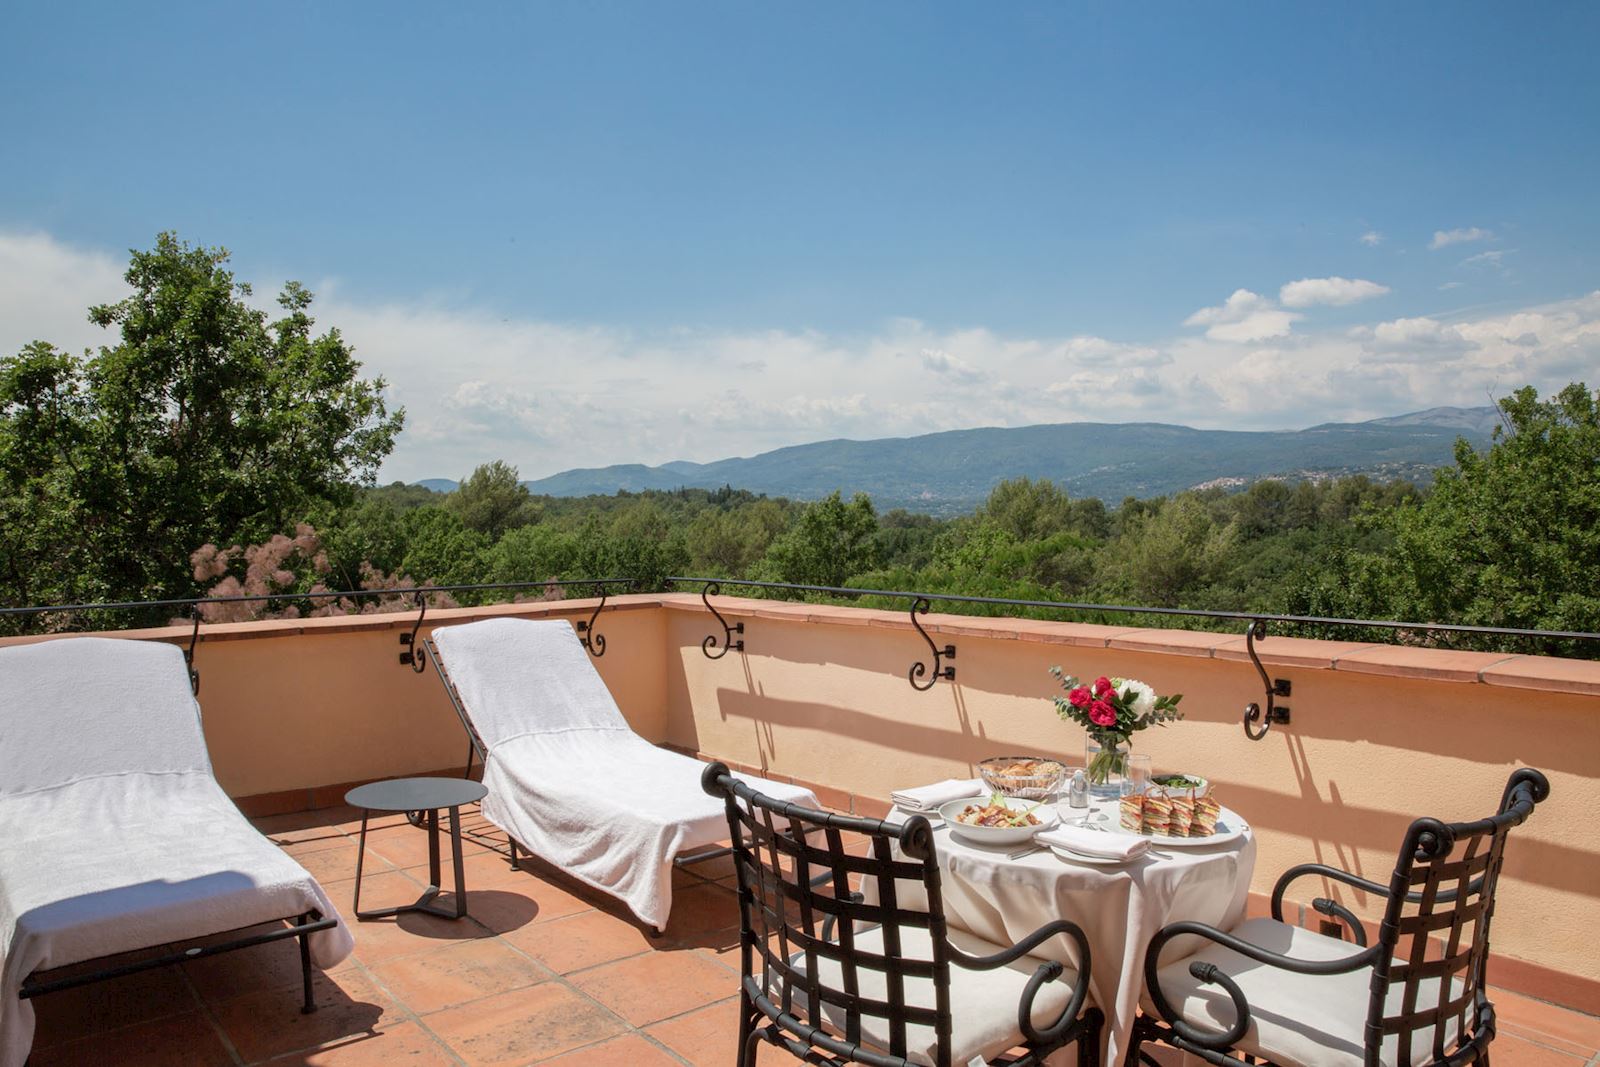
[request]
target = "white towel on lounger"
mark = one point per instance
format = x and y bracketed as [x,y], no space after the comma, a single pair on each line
[114,835]
[567,777]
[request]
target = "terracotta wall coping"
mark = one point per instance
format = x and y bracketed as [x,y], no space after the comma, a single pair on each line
[1546,673]
[333,624]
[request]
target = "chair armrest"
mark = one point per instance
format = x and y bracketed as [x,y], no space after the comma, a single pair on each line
[1049,971]
[1329,907]
[1210,974]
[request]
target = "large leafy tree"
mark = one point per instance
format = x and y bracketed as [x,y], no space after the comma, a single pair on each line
[1509,536]
[208,421]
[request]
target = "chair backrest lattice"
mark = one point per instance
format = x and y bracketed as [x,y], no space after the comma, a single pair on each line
[1429,1002]
[798,874]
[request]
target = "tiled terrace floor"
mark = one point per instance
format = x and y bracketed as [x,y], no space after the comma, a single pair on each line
[543,972]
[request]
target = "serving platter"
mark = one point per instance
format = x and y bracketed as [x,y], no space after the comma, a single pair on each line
[1230,827]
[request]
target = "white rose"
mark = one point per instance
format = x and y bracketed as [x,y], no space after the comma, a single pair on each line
[1142,696]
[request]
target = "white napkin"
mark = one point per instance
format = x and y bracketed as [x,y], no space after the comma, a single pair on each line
[928,797]
[1094,843]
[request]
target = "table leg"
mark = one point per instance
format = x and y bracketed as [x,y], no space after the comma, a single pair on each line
[455,857]
[425,902]
[361,854]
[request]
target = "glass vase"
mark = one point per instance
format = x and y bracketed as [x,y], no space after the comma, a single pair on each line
[1105,760]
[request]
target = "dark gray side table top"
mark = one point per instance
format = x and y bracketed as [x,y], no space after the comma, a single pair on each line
[415,794]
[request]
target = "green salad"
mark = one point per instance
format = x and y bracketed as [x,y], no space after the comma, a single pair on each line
[1177,781]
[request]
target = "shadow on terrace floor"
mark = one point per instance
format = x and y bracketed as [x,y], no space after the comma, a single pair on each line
[544,971]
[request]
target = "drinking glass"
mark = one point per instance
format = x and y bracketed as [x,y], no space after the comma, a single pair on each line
[1138,777]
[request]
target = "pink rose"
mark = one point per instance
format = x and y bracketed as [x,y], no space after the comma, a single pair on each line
[1102,713]
[1080,697]
[1102,686]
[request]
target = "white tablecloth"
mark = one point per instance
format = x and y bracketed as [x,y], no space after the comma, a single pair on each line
[1119,908]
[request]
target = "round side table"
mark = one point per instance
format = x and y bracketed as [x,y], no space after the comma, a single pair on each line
[429,795]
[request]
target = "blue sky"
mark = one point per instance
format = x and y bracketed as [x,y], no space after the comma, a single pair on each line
[572,234]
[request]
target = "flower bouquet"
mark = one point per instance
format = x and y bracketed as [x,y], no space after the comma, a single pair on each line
[1112,710]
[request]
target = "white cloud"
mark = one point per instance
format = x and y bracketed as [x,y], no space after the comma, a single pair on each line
[1335,291]
[1494,258]
[941,362]
[547,396]
[1372,238]
[1451,285]
[1244,317]
[1443,238]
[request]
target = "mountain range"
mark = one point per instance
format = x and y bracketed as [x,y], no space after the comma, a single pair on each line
[952,471]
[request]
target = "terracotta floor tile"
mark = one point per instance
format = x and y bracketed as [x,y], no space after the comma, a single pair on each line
[1508,1048]
[523,1026]
[407,846]
[312,839]
[301,826]
[110,1005]
[508,907]
[402,1045]
[454,974]
[629,1050]
[1537,1016]
[656,986]
[706,916]
[269,1023]
[1560,1044]
[579,941]
[409,934]
[336,862]
[708,1037]
[381,888]
[250,970]
[187,1040]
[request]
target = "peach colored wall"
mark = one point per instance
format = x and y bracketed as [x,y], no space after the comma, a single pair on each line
[1380,734]
[293,705]
[821,695]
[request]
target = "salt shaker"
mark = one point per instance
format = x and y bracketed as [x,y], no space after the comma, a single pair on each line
[1078,791]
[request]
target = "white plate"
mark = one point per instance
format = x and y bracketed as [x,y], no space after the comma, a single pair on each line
[1093,861]
[998,835]
[1230,827]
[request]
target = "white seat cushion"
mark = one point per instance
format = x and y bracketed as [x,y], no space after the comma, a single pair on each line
[1297,1020]
[983,1004]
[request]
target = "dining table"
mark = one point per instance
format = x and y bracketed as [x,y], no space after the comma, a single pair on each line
[1003,893]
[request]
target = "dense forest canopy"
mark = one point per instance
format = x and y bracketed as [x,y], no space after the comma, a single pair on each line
[214,449]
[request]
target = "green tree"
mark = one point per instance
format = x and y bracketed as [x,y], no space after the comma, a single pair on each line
[1509,536]
[830,542]
[440,550]
[1028,510]
[492,500]
[1162,559]
[207,422]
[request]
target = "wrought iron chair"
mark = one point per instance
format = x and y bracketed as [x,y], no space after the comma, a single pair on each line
[885,984]
[1280,994]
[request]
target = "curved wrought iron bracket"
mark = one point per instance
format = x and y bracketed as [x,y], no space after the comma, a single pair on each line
[728,643]
[1274,687]
[188,655]
[594,642]
[919,669]
[411,657]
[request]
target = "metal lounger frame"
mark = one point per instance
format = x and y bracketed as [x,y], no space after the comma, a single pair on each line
[304,925]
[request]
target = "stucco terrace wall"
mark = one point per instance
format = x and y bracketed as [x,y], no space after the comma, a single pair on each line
[1380,735]
[296,711]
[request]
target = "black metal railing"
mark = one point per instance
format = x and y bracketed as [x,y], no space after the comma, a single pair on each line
[418,594]
[923,676]
[1258,719]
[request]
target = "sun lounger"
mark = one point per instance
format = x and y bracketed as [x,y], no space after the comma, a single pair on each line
[115,837]
[568,779]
